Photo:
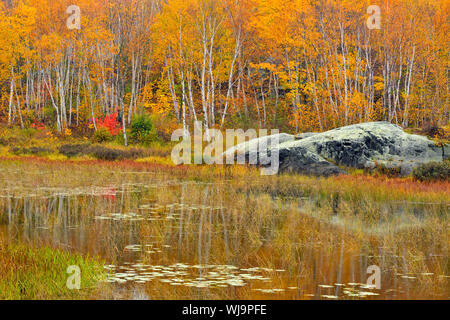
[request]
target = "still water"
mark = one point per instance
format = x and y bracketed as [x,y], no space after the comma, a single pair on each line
[190,240]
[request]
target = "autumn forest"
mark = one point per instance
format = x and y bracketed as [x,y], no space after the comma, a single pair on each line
[224,150]
[296,65]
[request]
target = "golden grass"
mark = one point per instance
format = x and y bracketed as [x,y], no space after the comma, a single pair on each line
[320,231]
[40,273]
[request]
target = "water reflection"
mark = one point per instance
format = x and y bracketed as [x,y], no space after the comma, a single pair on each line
[196,240]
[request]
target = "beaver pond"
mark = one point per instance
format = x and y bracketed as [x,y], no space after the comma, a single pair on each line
[163,237]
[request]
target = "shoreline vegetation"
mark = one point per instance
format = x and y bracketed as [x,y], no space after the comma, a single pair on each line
[359,206]
[39,273]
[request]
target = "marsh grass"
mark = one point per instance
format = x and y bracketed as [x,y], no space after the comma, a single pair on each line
[310,238]
[40,273]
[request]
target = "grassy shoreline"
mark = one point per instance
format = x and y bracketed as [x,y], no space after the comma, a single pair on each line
[341,208]
[28,273]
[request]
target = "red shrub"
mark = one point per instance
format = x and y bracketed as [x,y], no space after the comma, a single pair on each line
[38,125]
[109,122]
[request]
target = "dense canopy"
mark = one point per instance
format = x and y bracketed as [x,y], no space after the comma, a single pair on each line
[296,65]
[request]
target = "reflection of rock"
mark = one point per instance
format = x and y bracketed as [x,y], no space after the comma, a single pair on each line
[358,146]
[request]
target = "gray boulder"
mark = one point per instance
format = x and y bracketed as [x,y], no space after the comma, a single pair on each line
[305,135]
[295,160]
[357,146]
[302,161]
[262,143]
[364,145]
[291,160]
